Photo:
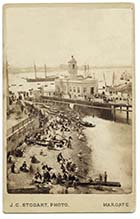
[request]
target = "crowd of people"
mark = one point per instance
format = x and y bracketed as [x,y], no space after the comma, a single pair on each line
[57,131]
[45,174]
[66,176]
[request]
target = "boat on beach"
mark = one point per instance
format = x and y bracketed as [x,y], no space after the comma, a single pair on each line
[51,144]
[87,124]
[45,187]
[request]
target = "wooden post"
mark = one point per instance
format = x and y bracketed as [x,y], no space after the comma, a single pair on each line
[127,113]
[114,113]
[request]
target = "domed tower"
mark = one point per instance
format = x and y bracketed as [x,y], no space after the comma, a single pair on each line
[72,68]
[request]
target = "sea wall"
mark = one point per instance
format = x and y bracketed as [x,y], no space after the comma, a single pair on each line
[18,135]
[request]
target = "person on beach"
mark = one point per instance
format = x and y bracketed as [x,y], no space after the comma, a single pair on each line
[59,178]
[14,168]
[65,176]
[37,178]
[60,157]
[68,164]
[11,159]
[63,167]
[73,167]
[34,159]
[105,176]
[42,153]
[46,176]
[24,167]
[69,145]
[44,166]
[80,155]
[66,189]
[52,174]
[100,178]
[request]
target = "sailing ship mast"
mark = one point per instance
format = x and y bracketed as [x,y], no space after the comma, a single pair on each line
[85,69]
[45,70]
[88,69]
[104,79]
[113,79]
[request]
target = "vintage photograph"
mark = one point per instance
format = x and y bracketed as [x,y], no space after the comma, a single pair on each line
[69,99]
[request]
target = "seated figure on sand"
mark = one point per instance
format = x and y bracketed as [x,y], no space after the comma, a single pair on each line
[24,167]
[14,168]
[34,159]
[37,178]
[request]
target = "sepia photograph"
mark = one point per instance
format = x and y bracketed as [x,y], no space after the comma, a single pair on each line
[68,72]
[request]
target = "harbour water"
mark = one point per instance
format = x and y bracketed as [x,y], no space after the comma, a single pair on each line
[111,149]
[17,82]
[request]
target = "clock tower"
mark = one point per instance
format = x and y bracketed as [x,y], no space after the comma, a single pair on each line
[72,68]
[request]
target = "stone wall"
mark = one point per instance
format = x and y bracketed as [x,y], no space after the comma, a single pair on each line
[14,140]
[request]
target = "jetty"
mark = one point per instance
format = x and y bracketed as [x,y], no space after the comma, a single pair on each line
[110,106]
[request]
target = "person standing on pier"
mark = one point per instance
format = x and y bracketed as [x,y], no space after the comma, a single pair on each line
[105,176]
[100,177]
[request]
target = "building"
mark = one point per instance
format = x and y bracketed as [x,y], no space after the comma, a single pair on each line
[76,86]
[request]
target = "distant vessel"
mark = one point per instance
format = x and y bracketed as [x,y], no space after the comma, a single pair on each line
[37,79]
[126,84]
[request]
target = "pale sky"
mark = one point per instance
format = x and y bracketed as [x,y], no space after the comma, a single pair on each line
[99,37]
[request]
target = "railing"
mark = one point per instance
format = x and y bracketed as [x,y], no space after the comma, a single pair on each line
[108,104]
[111,106]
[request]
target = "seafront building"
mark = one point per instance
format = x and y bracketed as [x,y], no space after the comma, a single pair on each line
[80,83]
[76,86]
